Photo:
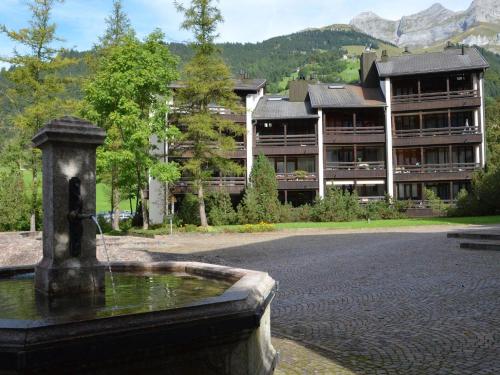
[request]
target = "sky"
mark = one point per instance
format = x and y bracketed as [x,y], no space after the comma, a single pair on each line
[80,22]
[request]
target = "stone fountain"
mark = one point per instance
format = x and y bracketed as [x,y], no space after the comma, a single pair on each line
[64,316]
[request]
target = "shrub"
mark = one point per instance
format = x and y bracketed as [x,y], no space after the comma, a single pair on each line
[337,205]
[14,212]
[290,214]
[383,210]
[220,209]
[260,202]
[435,203]
[189,210]
[251,228]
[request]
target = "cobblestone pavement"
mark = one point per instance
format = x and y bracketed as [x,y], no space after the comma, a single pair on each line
[406,301]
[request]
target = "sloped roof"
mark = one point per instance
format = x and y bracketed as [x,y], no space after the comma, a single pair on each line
[448,60]
[345,96]
[276,107]
[239,84]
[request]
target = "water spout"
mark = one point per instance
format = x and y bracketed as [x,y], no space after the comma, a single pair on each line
[94,219]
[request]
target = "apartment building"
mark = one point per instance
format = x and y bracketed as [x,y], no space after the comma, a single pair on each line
[414,121]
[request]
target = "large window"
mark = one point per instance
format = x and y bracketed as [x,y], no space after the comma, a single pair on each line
[463,154]
[370,154]
[433,84]
[339,119]
[370,190]
[461,82]
[293,164]
[438,155]
[462,119]
[407,122]
[435,120]
[461,185]
[409,191]
[405,87]
[340,155]
[408,156]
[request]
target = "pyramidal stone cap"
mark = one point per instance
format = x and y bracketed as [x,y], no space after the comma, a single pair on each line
[69,130]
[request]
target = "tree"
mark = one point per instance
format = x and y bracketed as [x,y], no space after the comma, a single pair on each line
[111,156]
[260,202]
[127,97]
[207,80]
[36,88]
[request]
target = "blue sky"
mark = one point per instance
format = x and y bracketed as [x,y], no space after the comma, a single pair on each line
[80,22]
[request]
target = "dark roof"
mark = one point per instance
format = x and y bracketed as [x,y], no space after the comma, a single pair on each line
[239,84]
[344,96]
[448,60]
[277,107]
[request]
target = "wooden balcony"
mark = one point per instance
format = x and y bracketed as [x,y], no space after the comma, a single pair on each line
[288,140]
[233,185]
[437,136]
[362,134]
[296,144]
[184,149]
[353,170]
[297,181]
[434,100]
[435,172]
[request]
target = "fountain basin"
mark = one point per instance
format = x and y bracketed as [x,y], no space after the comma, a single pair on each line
[228,333]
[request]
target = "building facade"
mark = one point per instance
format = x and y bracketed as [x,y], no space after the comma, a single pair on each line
[414,122]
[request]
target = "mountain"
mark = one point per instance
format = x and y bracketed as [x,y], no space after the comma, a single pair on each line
[478,25]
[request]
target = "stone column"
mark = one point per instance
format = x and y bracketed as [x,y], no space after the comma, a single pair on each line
[69,265]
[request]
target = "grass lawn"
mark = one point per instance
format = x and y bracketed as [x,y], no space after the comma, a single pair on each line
[363,224]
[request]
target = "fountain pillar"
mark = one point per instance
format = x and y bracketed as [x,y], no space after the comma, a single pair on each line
[69,265]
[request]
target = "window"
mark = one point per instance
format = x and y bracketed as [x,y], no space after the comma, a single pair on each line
[463,154]
[436,155]
[441,190]
[433,84]
[407,122]
[405,87]
[462,119]
[409,156]
[409,191]
[461,82]
[435,120]
[339,120]
[370,154]
[461,185]
[340,155]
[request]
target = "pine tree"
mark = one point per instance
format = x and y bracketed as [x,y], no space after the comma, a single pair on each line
[207,80]
[36,88]
[260,202]
[117,26]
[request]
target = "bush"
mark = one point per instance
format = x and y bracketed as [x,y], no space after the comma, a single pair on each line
[384,210]
[220,209]
[435,203]
[14,212]
[290,214]
[189,212]
[338,205]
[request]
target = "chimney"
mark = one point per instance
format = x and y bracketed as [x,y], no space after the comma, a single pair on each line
[463,49]
[407,50]
[385,56]
[367,71]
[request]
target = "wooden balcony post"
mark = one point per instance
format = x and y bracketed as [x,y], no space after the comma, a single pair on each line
[285,133]
[450,156]
[421,156]
[354,121]
[421,123]
[451,191]
[449,121]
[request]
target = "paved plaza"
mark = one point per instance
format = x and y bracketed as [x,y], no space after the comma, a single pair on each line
[398,301]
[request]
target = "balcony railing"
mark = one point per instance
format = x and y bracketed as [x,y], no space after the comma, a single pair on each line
[434,96]
[239,146]
[215,181]
[371,199]
[361,165]
[436,168]
[297,176]
[289,140]
[432,132]
[350,130]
